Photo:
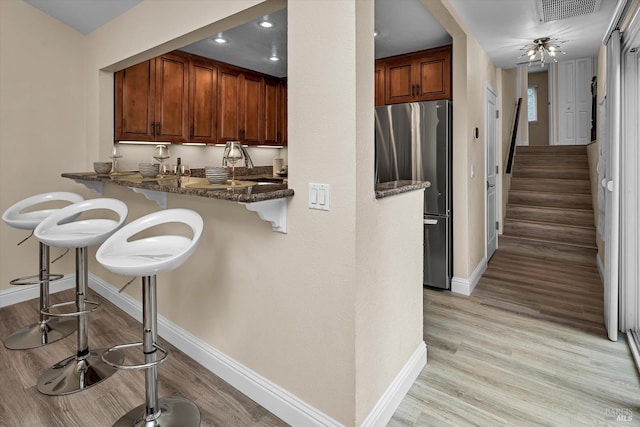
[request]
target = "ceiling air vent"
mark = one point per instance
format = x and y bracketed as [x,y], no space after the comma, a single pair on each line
[554,10]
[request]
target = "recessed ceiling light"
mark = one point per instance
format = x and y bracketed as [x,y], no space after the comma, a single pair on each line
[375,34]
[220,40]
[274,58]
[266,24]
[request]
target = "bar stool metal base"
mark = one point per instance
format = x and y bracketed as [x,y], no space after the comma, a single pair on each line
[174,412]
[41,333]
[78,373]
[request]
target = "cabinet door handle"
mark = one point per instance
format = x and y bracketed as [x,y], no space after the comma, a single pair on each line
[413,90]
[418,89]
[158,128]
[153,128]
[191,131]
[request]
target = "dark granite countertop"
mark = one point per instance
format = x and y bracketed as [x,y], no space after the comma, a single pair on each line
[196,186]
[391,188]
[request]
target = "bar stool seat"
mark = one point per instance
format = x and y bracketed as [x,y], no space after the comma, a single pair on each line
[64,229]
[146,257]
[47,330]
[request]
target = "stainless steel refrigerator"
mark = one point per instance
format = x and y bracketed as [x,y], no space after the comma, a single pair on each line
[413,142]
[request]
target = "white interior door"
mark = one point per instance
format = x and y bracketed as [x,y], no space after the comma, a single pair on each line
[566,102]
[574,101]
[491,173]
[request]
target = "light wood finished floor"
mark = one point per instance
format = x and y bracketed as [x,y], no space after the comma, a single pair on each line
[21,405]
[528,348]
[487,366]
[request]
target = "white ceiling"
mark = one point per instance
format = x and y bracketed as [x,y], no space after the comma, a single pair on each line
[502,27]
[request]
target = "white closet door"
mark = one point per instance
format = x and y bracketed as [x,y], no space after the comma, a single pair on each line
[574,103]
[567,102]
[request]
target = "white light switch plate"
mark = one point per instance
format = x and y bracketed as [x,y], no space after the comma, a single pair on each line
[319,196]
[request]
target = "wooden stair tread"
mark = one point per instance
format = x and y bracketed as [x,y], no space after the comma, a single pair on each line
[550,208]
[549,240]
[550,224]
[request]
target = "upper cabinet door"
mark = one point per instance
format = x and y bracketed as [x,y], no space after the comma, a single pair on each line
[379,84]
[434,77]
[134,102]
[283,123]
[229,106]
[172,92]
[272,112]
[203,101]
[251,109]
[399,80]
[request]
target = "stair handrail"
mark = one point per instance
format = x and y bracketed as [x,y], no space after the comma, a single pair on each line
[514,132]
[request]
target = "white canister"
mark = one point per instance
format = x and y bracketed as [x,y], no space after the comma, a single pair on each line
[278,163]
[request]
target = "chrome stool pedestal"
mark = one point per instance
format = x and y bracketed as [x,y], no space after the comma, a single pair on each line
[85,368]
[145,257]
[46,330]
[168,411]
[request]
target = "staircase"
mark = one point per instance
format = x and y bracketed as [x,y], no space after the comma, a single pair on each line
[545,266]
[549,212]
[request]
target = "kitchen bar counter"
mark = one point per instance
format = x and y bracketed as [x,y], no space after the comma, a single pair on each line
[267,199]
[196,186]
[391,188]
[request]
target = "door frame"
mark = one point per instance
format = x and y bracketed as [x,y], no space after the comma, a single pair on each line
[491,92]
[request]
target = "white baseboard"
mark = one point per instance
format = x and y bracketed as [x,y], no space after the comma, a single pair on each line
[397,390]
[274,398]
[16,294]
[466,286]
[600,267]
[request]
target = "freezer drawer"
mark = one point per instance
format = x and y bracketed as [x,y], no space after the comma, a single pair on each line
[437,252]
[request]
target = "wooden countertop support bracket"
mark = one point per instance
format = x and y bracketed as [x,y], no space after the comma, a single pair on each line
[160,197]
[273,211]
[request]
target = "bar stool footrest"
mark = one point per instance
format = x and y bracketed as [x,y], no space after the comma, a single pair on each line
[158,347]
[47,310]
[35,279]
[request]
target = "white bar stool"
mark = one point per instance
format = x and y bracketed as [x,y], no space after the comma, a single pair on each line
[147,257]
[66,230]
[47,330]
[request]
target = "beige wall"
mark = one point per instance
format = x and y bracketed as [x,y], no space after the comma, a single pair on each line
[330,311]
[42,119]
[507,113]
[473,72]
[539,131]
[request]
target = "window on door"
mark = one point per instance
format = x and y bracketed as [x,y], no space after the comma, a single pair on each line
[532,103]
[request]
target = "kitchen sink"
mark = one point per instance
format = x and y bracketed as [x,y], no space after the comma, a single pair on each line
[265,180]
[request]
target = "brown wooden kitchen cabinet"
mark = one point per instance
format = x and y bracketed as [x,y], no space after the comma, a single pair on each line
[273,112]
[379,84]
[241,105]
[203,102]
[421,76]
[151,100]
[283,123]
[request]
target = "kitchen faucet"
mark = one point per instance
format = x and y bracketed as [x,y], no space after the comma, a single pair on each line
[247,158]
[245,154]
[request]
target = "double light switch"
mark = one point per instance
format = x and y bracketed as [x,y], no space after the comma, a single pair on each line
[319,196]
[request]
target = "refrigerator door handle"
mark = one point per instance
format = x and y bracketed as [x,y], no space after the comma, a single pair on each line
[430,221]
